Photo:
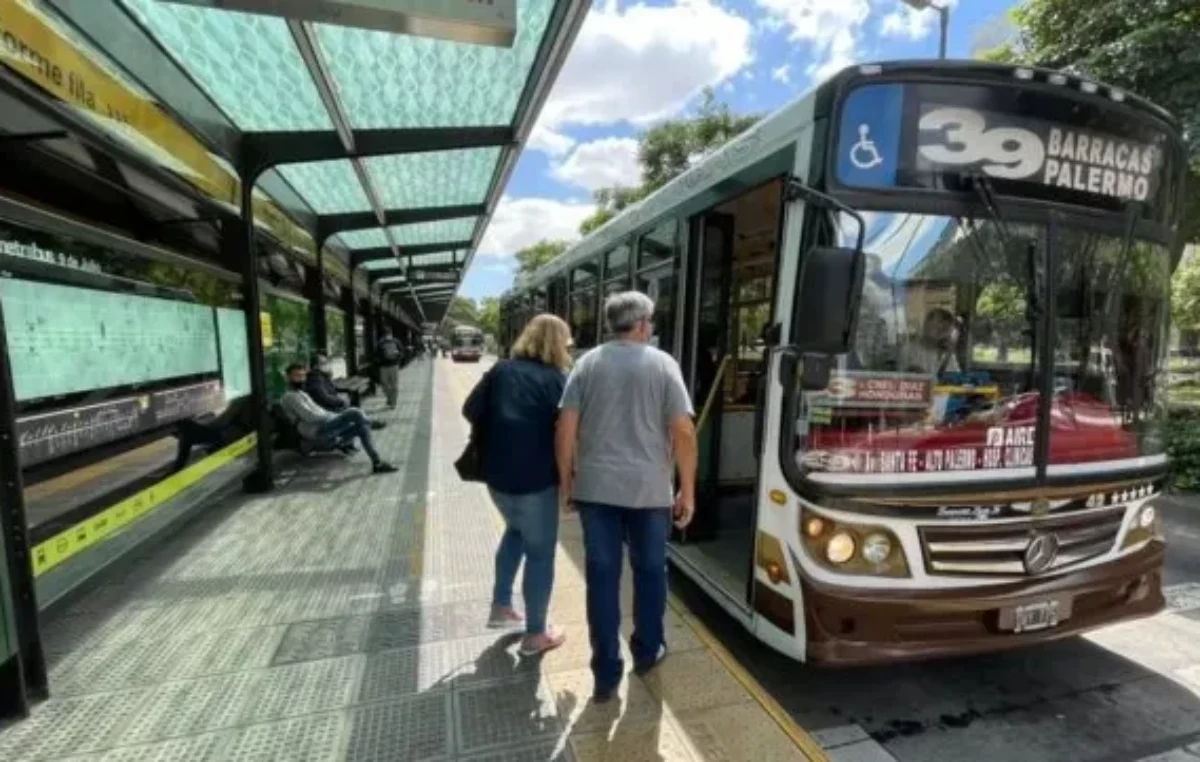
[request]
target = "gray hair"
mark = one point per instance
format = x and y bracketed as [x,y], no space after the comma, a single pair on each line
[623,311]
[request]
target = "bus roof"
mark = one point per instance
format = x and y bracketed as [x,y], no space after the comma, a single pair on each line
[780,128]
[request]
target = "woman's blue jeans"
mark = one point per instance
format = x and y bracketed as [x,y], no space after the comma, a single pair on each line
[531,532]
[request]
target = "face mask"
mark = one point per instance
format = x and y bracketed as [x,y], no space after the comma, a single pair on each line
[296,384]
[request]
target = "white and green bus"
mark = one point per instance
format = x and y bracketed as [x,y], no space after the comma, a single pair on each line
[923,313]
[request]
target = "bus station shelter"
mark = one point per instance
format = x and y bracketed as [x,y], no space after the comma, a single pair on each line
[349,165]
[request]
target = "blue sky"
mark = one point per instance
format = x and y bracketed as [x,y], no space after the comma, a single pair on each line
[638,63]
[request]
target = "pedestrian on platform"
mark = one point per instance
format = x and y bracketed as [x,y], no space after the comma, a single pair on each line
[513,410]
[389,356]
[315,423]
[625,424]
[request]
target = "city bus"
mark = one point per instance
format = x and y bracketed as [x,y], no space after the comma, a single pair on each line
[466,344]
[923,315]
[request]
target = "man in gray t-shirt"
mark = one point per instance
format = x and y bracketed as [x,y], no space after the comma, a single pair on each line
[626,422]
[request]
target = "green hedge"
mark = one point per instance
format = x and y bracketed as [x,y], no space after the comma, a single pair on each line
[1183,447]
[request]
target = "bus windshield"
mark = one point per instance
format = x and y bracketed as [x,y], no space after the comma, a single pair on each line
[944,374]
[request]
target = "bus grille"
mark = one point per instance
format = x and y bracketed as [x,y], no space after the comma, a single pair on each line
[999,549]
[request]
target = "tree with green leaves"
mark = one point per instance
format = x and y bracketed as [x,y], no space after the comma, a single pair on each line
[532,257]
[463,310]
[489,315]
[668,149]
[1148,47]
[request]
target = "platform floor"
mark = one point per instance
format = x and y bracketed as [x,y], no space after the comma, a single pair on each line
[342,618]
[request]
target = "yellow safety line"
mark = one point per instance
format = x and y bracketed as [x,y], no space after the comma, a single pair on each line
[799,737]
[97,528]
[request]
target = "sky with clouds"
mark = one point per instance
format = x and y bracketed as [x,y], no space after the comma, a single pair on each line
[638,62]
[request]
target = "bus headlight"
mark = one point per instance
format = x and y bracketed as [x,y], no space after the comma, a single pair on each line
[1143,528]
[876,548]
[840,548]
[852,548]
[1147,517]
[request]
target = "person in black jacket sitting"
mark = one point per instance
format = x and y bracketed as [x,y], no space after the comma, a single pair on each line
[321,389]
[234,422]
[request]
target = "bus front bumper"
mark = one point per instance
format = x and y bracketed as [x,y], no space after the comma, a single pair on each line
[849,627]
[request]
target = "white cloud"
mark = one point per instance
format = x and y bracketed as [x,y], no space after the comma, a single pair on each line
[642,64]
[782,73]
[830,27]
[519,222]
[544,139]
[602,163]
[906,21]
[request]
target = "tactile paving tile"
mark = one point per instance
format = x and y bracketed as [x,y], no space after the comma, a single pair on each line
[505,714]
[70,726]
[412,729]
[174,709]
[315,738]
[307,687]
[202,748]
[323,639]
[545,751]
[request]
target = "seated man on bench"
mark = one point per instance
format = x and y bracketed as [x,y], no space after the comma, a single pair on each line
[316,423]
[234,422]
[324,392]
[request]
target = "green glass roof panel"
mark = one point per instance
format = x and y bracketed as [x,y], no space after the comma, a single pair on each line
[421,233]
[329,187]
[440,258]
[247,63]
[393,80]
[364,239]
[436,178]
[380,264]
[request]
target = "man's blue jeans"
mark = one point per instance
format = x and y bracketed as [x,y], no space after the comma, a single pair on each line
[347,425]
[531,532]
[605,529]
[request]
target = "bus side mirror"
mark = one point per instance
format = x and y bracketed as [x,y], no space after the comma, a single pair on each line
[831,284]
[810,371]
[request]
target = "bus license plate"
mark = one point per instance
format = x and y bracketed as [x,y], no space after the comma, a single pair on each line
[1035,616]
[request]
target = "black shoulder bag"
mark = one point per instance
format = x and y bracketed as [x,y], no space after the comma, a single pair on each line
[470,464]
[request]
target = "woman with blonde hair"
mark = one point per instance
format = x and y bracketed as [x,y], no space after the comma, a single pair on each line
[513,410]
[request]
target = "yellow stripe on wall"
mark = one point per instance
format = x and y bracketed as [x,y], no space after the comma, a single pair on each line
[63,545]
[33,45]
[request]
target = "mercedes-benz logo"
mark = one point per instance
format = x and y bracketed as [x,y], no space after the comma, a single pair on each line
[1040,553]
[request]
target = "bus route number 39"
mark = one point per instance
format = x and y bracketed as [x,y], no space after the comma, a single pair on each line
[1006,152]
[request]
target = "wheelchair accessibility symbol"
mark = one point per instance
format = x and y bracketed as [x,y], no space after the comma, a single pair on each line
[864,154]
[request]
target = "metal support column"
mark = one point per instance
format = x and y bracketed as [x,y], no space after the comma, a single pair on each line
[23,678]
[349,306]
[263,477]
[316,301]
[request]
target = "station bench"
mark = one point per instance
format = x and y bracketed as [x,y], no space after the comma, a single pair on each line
[354,387]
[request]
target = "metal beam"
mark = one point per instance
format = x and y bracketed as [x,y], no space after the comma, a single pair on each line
[329,225]
[376,275]
[383,252]
[304,146]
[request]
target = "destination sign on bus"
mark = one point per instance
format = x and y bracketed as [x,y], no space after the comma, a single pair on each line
[929,137]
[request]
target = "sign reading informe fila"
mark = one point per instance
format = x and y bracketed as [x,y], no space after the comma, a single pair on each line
[481,22]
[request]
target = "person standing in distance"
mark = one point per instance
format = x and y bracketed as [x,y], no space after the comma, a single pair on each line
[389,355]
[625,423]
